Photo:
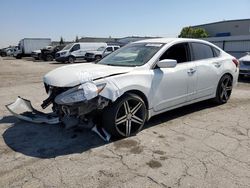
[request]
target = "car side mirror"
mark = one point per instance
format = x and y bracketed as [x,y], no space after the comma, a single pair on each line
[167,63]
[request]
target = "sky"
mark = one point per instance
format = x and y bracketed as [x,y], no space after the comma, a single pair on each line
[115,18]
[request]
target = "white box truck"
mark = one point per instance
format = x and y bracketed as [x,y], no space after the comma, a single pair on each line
[27,45]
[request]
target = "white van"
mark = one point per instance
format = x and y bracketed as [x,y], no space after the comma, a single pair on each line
[74,51]
[96,55]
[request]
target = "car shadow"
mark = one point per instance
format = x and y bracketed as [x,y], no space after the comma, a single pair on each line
[29,59]
[67,63]
[179,112]
[49,141]
[58,63]
[244,79]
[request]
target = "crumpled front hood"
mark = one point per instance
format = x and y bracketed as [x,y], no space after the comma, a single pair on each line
[72,75]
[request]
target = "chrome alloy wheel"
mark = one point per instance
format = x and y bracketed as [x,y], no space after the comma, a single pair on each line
[130,117]
[225,89]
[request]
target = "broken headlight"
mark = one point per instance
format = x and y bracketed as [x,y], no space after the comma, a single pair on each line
[83,92]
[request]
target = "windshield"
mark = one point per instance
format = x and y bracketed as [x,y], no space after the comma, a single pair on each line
[135,54]
[101,48]
[67,47]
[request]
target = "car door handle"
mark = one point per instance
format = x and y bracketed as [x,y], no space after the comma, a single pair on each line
[217,64]
[191,71]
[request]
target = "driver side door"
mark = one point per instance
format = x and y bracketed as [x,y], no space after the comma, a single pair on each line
[172,86]
[75,50]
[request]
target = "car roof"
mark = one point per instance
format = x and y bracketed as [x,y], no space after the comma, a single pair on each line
[168,40]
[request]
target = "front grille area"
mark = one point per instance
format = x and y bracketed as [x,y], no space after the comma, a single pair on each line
[55,91]
[57,55]
[89,55]
[246,63]
[245,71]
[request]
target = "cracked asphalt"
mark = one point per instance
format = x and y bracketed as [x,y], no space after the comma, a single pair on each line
[201,145]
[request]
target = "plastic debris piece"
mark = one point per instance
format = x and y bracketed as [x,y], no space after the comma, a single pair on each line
[102,133]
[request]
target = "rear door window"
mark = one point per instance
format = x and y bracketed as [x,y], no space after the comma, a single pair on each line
[201,51]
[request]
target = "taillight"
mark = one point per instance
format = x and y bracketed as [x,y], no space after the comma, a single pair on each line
[236,62]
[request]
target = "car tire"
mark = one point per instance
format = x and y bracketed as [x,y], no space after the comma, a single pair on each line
[49,58]
[125,117]
[19,56]
[98,58]
[39,57]
[224,89]
[71,59]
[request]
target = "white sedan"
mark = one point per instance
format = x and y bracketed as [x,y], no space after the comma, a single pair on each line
[138,81]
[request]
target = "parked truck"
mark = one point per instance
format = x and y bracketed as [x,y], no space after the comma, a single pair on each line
[27,45]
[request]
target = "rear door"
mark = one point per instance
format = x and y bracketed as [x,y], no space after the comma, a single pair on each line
[208,68]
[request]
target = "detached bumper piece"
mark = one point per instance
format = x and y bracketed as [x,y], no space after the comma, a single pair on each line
[22,109]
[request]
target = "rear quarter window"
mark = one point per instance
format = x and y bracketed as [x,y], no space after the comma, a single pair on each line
[201,51]
[216,52]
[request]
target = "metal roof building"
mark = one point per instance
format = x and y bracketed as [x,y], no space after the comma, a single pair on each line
[227,28]
[233,36]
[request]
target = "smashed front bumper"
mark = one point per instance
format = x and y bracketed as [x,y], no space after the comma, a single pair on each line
[72,107]
[22,109]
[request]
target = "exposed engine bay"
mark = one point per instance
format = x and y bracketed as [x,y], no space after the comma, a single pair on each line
[73,105]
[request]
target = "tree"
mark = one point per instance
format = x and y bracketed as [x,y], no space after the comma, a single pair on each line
[77,40]
[189,32]
[61,41]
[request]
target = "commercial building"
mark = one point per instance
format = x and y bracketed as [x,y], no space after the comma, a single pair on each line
[114,41]
[233,36]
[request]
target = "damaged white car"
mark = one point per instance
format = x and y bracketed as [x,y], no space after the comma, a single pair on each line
[134,83]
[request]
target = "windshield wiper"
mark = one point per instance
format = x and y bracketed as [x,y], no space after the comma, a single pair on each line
[110,64]
[119,65]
